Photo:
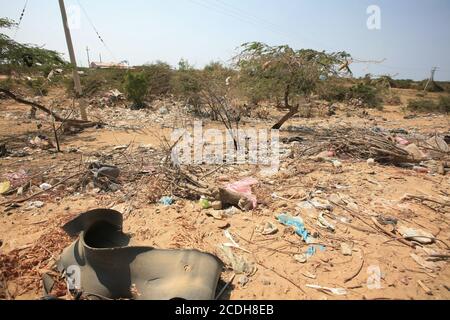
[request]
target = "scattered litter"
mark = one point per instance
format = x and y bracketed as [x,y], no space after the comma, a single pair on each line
[243,280]
[308,209]
[215,214]
[309,275]
[420,236]
[438,144]
[385,220]
[35,205]
[204,203]
[41,142]
[239,194]
[231,211]
[299,228]
[4,187]
[122,147]
[323,223]
[103,170]
[17,179]
[352,206]
[301,258]
[335,291]
[415,153]
[334,198]
[298,225]
[45,186]
[239,264]
[321,204]
[425,288]
[419,169]
[232,243]
[429,265]
[337,164]
[217,205]
[401,141]
[267,229]
[105,176]
[167,201]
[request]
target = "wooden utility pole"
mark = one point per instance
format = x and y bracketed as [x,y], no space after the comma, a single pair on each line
[431,79]
[73,61]
[88,57]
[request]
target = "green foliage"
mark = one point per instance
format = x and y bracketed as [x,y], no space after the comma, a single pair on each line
[426,105]
[16,55]
[283,72]
[95,81]
[159,76]
[393,99]
[136,87]
[370,95]
[186,82]
[444,104]
[333,92]
[39,86]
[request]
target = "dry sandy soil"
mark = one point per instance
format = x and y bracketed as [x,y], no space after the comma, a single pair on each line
[31,240]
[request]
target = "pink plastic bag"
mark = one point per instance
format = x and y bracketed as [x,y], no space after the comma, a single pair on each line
[245,187]
[402,141]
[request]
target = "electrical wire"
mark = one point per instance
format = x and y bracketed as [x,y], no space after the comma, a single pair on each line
[96,31]
[20,19]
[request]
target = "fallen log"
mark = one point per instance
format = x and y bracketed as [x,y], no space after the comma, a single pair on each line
[71,122]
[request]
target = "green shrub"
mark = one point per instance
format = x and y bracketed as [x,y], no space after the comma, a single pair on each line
[422,105]
[39,86]
[136,88]
[333,92]
[444,104]
[159,76]
[95,81]
[370,95]
[393,100]
[186,82]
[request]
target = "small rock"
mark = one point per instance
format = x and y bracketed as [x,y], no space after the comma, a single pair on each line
[301,258]
[266,281]
[217,205]
[215,214]
[243,280]
[371,162]
[346,249]
[35,204]
[223,225]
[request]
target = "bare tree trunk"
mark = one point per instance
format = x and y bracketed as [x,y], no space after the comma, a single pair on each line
[71,122]
[292,110]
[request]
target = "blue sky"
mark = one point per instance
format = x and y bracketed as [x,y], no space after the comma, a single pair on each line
[414,34]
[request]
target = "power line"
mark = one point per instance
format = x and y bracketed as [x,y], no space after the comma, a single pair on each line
[95,29]
[231,14]
[21,18]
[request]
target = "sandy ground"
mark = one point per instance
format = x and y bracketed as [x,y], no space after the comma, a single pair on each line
[374,190]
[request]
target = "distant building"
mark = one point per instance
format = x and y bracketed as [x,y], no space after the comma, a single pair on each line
[109,65]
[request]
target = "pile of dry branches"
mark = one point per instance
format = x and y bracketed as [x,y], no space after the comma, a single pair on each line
[358,143]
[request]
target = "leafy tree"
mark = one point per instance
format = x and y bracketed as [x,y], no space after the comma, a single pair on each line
[15,55]
[160,77]
[136,88]
[285,73]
